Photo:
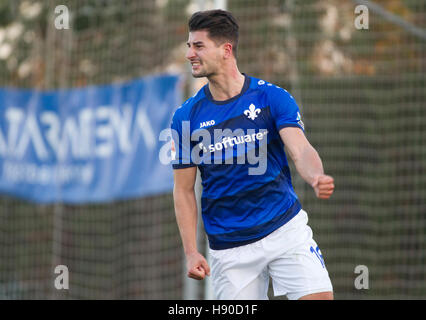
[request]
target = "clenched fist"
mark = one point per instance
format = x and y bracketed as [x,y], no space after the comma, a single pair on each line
[197,266]
[323,186]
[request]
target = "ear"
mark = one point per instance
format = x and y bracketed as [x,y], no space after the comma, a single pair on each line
[227,49]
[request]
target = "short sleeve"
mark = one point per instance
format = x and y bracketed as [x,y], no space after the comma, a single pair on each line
[181,142]
[284,109]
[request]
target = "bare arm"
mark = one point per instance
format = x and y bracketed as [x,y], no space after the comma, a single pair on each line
[186,217]
[307,161]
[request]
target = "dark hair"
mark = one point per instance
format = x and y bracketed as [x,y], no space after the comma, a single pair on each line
[220,25]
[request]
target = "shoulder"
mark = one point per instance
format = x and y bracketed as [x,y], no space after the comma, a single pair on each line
[184,110]
[272,92]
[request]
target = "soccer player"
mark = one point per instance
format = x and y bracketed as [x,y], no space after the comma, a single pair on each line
[255,224]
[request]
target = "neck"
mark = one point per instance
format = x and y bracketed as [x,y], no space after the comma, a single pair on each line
[224,86]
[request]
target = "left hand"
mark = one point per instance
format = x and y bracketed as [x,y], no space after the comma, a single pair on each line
[323,186]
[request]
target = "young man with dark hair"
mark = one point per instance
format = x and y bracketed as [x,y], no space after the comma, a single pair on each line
[254,221]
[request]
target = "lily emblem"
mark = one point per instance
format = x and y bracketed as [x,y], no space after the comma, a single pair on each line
[252,112]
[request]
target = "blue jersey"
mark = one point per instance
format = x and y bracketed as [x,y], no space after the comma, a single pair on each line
[247,189]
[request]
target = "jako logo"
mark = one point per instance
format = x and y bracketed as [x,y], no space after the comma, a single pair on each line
[207,123]
[252,112]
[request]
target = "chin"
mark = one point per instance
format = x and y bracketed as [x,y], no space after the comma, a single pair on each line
[199,75]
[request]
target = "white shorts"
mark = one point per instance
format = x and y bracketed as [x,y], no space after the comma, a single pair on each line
[289,255]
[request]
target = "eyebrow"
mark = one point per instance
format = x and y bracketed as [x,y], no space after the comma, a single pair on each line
[195,43]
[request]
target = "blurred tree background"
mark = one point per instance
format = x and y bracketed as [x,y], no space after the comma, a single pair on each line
[362,97]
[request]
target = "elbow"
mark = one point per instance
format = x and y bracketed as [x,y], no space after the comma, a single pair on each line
[297,153]
[179,191]
[303,152]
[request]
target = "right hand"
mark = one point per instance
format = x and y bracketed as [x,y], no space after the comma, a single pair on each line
[197,266]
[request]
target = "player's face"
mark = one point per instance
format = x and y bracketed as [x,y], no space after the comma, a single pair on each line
[203,54]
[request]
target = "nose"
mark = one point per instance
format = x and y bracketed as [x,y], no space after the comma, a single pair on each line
[190,53]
